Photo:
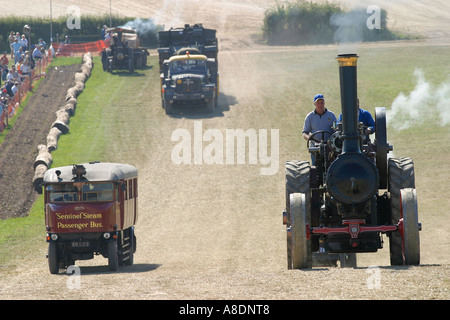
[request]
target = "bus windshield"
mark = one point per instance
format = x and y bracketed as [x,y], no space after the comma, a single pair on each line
[97,192]
[64,192]
[67,192]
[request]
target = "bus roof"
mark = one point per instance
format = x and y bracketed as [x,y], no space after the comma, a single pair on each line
[95,171]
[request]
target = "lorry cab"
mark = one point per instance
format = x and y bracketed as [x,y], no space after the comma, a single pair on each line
[90,209]
[189,78]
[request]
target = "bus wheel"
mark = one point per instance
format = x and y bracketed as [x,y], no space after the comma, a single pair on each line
[113,256]
[131,247]
[53,263]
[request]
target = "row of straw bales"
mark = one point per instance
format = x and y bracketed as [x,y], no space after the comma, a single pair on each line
[60,126]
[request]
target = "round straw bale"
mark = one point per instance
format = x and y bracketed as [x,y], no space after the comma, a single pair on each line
[63,116]
[52,138]
[44,157]
[80,77]
[64,128]
[69,108]
[38,177]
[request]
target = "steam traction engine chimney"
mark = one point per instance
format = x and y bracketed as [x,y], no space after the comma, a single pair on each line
[352,179]
[349,96]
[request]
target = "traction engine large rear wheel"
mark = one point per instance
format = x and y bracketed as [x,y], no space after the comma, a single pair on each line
[382,146]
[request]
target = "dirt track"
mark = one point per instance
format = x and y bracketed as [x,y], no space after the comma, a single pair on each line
[19,150]
[215,232]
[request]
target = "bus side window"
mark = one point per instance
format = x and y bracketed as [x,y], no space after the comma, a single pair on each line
[130,189]
[124,190]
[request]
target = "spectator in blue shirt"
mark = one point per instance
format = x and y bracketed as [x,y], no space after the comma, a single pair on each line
[16,47]
[366,118]
[37,53]
[42,44]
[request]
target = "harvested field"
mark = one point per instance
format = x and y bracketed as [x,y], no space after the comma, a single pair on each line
[215,231]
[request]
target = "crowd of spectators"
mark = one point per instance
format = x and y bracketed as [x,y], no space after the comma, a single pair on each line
[23,61]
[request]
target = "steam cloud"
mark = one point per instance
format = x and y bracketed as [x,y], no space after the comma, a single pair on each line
[141,26]
[424,103]
[349,31]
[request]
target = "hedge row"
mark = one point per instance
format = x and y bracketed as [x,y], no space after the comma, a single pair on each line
[319,23]
[90,29]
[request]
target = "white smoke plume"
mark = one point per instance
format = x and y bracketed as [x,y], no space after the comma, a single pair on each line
[426,103]
[142,26]
[349,31]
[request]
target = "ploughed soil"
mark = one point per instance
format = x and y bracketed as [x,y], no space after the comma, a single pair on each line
[19,149]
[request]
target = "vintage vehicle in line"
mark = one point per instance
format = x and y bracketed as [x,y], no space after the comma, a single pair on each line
[189,68]
[91,209]
[353,193]
[194,38]
[188,79]
[124,51]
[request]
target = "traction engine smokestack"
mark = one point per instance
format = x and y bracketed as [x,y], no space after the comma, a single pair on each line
[352,179]
[349,96]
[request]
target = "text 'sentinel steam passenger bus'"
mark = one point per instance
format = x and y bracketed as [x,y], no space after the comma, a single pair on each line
[91,209]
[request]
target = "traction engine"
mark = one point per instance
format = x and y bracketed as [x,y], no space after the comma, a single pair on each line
[353,194]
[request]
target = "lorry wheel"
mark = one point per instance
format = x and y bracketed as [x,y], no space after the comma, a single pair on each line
[300,246]
[168,107]
[138,62]
[400,176]
[113,256]
[410,236]
[210,106]
[53,263]
[130,66]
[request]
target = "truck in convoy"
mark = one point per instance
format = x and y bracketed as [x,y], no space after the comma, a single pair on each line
[189,70]
[90,209]
[124,51]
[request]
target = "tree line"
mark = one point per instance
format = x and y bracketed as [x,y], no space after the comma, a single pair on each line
[295,23]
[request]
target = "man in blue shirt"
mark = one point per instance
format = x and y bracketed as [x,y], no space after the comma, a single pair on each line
[319,119]
[16,46]
[366,118]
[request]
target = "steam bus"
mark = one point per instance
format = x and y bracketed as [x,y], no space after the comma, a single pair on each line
[91,209]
